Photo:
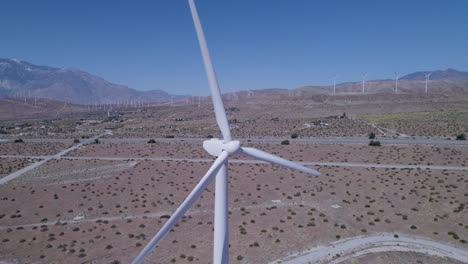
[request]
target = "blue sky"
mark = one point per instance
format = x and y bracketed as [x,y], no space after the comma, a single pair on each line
[254,43]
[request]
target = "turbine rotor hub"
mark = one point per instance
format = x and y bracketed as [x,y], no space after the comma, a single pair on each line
[215,146]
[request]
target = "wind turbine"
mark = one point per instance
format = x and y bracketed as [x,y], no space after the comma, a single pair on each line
[222,149]
[396,81]
[427,78]
[334,84]
[364,81]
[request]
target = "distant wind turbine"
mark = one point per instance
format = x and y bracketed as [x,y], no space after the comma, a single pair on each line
[222,149]
[427,78]
[334,84]
[364,81]
[396,81]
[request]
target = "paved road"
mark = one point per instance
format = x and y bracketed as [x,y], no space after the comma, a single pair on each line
[331,164]
[44,159]
[354,247]
[20,172]
[318,141]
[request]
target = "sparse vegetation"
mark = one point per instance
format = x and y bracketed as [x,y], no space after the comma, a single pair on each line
[285,142]
[269,203]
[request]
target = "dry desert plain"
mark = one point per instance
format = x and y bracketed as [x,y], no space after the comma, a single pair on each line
[102,202]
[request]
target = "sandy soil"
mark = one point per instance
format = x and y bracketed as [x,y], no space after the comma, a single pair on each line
[98,211]
[9,165]
[114,202]
[32,149]
[387,154]
[158,149]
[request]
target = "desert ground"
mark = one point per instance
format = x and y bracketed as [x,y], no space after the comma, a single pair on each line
[101,190]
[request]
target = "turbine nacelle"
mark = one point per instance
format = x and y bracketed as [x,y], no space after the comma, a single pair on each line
[215,146]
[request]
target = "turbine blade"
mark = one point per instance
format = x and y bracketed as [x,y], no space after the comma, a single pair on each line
[220,113]
[191,198]
[261,155]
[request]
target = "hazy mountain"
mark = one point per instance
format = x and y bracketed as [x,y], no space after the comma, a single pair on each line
[449,74]
[443,82]
[20,78]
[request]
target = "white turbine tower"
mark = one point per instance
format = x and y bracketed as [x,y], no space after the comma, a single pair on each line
[334,84]
[396,81]
[427,78]
[222,149]
[364,82]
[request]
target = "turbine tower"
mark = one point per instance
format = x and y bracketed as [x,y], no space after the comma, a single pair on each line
[396,81]
[222,149]
[427,78]
[334,84]
[364,82]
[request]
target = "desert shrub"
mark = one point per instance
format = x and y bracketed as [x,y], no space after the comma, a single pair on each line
[461,137]
[294,135]
[372,135]
[151,141]
[96,141]
[209,136]
[76,140]
[19,140]
[375,143]
[169,136]
[285,142]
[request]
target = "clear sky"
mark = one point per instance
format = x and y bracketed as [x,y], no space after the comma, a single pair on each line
[254,43]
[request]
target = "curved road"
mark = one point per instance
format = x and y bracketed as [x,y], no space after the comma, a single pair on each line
[355,247]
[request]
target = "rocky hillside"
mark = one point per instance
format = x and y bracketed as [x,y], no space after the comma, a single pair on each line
[20,79]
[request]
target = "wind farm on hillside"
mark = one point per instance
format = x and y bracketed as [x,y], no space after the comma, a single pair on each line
[362,170]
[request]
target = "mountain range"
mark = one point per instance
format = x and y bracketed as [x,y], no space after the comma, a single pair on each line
[449,74]
[23,79]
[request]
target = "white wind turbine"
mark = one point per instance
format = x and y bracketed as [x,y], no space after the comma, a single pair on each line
[427,78]
[222,149]
[334,83]
[364,81]
[397,76]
